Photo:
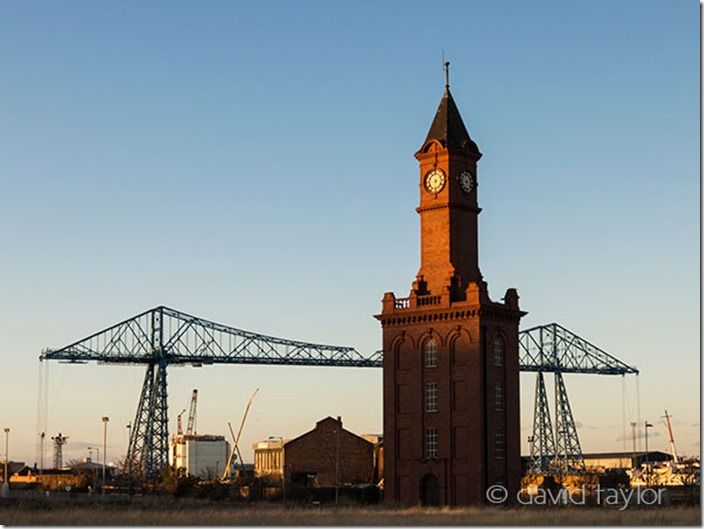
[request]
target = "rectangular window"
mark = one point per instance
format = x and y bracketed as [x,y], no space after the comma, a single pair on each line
[431,397]
[430,353]
[431,443]
[499,397]
[499,445]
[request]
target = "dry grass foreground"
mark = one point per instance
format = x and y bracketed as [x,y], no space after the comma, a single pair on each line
[202,513]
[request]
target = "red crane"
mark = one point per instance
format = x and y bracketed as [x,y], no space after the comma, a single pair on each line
[179,424]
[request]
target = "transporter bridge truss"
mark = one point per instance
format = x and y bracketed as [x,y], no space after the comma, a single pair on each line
[162,336]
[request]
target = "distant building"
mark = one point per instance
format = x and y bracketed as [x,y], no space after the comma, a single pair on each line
[201,456]
[611,460]
[12,467]
[53,479]
[313,459]
[378,442]
[269,458]
[602,461]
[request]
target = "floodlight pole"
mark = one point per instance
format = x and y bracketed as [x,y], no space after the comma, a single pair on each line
[105,447]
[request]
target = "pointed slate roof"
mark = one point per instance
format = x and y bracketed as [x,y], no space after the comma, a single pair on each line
[448,127]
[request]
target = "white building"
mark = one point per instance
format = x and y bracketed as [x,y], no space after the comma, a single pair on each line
[201,456]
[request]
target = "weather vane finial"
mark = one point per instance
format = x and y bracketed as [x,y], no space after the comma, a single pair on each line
[447,74]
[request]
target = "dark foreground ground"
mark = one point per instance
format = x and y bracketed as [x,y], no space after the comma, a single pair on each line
[187,512]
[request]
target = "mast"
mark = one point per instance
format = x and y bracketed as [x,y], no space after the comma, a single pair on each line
[672,439]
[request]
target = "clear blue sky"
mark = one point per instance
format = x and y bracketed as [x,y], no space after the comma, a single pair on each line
[252,163]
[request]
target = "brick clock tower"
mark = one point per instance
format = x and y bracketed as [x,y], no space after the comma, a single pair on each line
[451,401]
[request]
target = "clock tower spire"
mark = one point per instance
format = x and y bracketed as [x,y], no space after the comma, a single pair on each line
[448,203]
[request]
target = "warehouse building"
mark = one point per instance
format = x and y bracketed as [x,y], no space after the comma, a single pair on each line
[328,455]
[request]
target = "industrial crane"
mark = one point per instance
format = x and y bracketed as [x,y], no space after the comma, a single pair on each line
[191,429]
[672,438]
[161,336]
[236,439]
[179,424]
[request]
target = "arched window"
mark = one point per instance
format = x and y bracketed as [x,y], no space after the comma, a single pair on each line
[498,351]
[430,353]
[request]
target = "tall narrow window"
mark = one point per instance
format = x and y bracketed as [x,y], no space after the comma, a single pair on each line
[430,353]
[431,443]
[498,351]
[431,397]
[499,446]
[499,397]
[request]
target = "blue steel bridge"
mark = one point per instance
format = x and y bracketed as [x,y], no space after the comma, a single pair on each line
[161,336]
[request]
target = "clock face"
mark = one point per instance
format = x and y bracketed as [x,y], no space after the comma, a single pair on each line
[435,181]
[467,181]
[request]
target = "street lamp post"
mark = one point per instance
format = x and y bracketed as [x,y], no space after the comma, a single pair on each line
[633,435]
[6,478]
[647,456]
[5,487]
[129,460]
[105,447]
[41,452]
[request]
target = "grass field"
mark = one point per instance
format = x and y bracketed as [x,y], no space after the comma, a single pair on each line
[207,513]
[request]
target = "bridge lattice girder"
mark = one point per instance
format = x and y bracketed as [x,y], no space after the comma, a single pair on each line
[180,338]
[552,348]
